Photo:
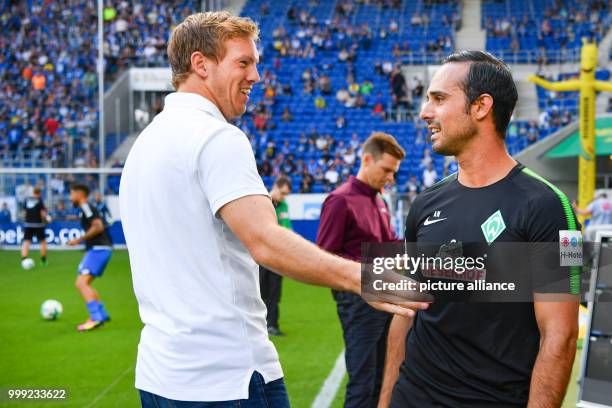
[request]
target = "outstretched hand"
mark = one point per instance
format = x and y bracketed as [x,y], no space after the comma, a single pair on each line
[394,297]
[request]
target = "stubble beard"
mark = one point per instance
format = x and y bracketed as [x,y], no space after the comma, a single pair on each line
[454,144]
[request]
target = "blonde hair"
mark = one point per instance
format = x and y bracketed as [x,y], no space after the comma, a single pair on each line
[379,143]
[206,33]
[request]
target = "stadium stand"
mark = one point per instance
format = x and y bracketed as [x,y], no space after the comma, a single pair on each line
[542,31]
[565,102]
[330,76]
[48,97]
[335,69]
[48,89]
[49,106]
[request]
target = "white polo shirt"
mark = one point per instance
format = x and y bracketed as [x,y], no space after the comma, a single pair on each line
[196,284]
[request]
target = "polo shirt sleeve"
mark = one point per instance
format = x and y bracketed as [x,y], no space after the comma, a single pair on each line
[334,215]
[227,170]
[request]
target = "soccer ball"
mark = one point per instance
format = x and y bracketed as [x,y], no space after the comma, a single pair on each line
[27,264]
[51,309]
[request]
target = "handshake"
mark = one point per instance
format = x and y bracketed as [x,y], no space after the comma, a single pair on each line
[387,290]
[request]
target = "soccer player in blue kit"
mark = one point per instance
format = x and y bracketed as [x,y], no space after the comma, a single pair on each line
[98,248]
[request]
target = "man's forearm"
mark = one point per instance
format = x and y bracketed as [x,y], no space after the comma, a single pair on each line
[91,232]
[291,255]
[581,211]
[551,372]
[396,352]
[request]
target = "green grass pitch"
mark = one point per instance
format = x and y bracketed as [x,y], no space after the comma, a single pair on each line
[97,367]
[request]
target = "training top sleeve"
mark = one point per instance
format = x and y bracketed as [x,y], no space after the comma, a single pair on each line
[332,223]
[90,212]
[546,218]
[550,217]
[227,170]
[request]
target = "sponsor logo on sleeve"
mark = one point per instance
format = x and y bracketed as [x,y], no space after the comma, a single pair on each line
[570,248]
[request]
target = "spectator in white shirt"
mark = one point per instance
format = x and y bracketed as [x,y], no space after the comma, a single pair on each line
[600,213]
[321,142]
[331,175]
[430,176]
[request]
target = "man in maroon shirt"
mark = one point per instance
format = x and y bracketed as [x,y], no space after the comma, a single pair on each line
[352,214]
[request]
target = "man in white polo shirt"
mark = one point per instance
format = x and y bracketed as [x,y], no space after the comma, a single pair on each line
[197,221]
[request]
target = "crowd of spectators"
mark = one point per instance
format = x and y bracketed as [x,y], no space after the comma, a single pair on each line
[331,78]
[336,159]
[48,84]
[558,109]
[349,61]
[57,187]
[548,30]
[48,95]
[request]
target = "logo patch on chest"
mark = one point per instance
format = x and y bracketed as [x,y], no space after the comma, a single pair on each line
[493,227]
[436,218]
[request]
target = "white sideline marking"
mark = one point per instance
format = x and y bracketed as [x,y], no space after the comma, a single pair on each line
[108,388]
[330,387]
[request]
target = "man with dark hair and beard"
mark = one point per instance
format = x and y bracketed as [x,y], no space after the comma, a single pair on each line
[483,354]
[98,250]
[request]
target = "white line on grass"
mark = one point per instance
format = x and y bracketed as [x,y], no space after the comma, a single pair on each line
[328,392]
[108,388]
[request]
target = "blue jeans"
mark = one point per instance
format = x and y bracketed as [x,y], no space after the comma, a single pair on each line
[261,395]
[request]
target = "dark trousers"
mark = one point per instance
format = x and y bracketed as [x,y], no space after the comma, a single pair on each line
[365,339]
[270,287]
[261,395]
